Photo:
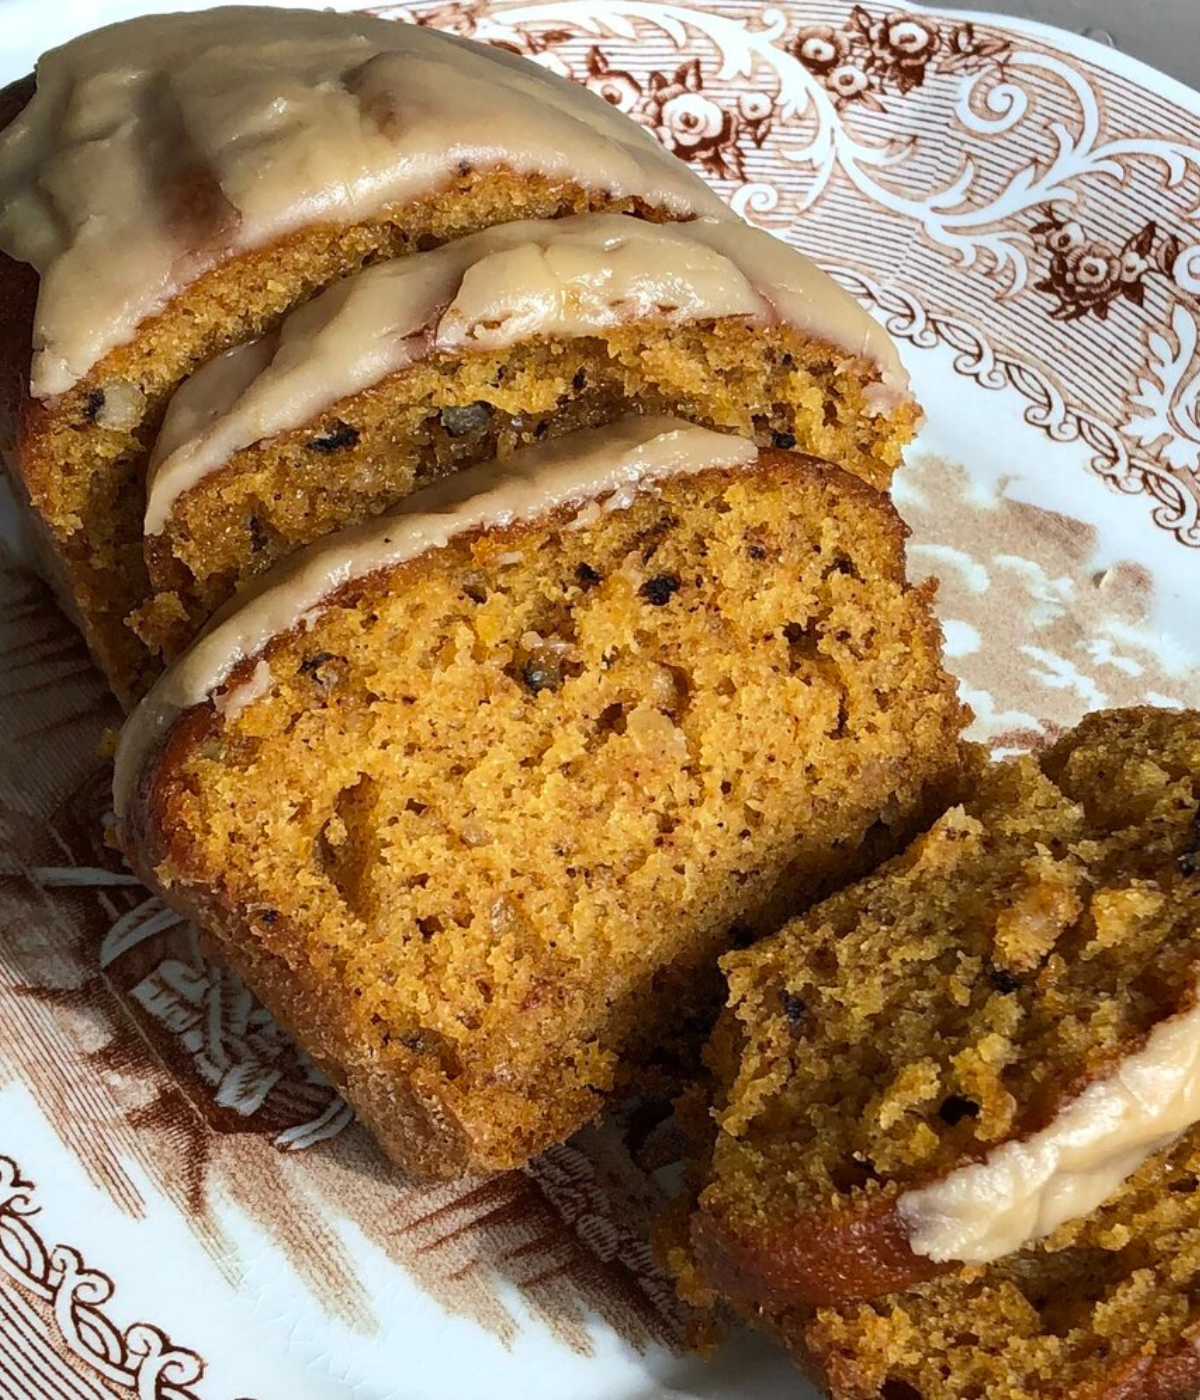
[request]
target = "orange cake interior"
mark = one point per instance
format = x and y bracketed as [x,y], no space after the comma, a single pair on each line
[479,827]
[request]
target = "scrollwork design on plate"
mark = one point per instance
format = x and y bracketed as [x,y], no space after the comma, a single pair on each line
[993,87]
[141,1359]
[1165,409]
[22,1254]
[1177,508]
[1015,196]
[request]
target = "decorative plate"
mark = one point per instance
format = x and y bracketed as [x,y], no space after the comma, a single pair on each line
[187,1211]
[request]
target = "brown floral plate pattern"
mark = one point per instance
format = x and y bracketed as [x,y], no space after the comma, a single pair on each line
[187,1210]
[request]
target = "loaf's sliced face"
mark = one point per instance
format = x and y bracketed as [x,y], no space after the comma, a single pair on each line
[1018,955]
[482,827]
[449,410]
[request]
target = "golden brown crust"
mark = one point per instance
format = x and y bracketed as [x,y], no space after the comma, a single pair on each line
[24,419]
[1161,1375]
[1112,1313]
[848,1255]
[18,295]
[818,1260]
[840,1257]
[20,415]
[416,1129]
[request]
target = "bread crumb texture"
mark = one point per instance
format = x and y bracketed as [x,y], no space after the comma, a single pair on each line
[501,808]
[952,1000]
[1104,1310]
[454,409]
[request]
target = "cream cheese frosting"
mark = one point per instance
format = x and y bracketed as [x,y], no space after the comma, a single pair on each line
[159,147]
[556,278]
[610,465]
[1025,1190]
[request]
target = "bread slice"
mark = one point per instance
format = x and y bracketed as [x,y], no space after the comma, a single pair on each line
[177,183]
[976,1045]
[421,366]
[474,794]
[1109,1310]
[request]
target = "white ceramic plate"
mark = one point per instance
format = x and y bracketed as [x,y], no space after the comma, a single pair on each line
[187,1212]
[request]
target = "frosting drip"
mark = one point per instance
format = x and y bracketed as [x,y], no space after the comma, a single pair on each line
[610,465]
[558,278]
[159,147]
[1025,1190]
